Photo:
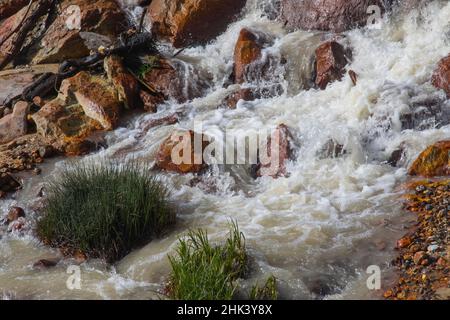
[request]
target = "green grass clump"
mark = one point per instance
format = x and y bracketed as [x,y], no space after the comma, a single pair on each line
[104,210]
[201,271]
[267,292]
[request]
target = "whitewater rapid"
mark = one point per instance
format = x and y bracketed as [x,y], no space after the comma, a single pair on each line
[316,230]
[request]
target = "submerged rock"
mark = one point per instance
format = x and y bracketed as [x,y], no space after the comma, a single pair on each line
[191,22]
[172,155]
[434,161]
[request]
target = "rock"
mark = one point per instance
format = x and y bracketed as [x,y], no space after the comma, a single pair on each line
[434,161]
[192,22]
[17,225]
[247,52]
[14,125]
[330,63]
[45,263]
[63,41]
[172,156]
[284,141]
[403,242]
[353,76]
[327,15]
[171,79]
[441,76]
[430,112]
[14,214]
[419,256]
[150,101]
[10,7]
[124,82]
[167,120]
[245,94]
[98,100]
[332,149]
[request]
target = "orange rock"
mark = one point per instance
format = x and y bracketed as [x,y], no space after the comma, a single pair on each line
[330,63]
[187,22]
[403,242]
[441,77]
[247,51]
[434,161]
[178,143]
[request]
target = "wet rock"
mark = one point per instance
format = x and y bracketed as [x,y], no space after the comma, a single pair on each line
[14,125]
[247,52]
[331,59]
[283,142]
[171,79]
[426,113]
[124,82]
[245,94]
[14,214]
[8,183]
[397,156]
[332,149]
[150,101]
[327,15]
[178,153]
[191,22]
[10,7]
[434,161]
[17,225]
[441,76]
[353,76]
[63,40]
[45,263]
[166,120]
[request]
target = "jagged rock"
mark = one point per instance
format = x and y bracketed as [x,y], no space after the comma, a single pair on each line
[10,7]
[327,15]
[14,125]
[169,78]
[63,40]
[175,145]
[330,63]
[245,94]
[434,161]
[124,82]
[284,144]
[189,22]
[441,77]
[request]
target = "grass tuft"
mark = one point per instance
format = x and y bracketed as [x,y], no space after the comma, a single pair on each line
[267,292]
[201,271]
[104,210]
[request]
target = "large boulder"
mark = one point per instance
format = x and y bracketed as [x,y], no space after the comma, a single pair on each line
[14,125]
[10,7]
[248,51]
[188,22]
[327,15]
[63,40]
[441,77]
[434,161]
[172,156]
[330,63]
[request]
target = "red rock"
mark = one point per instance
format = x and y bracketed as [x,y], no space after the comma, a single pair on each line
[243,94]
[434,161]
[14,125]
[189,22]
[403,242]
[419,256]
[63,41]
[441,77]
[10,7]
[14,214]
[177,143]
[327,15]
[150,101]
[330,63]
[278,168]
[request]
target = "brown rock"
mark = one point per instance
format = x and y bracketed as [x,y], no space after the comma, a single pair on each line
[247,51]
[185,162]
[14,125]
[353,76]
[124,82]
[326,15]
[63,41]
[188,22]
[14,214]
[150,101]
[283,144]
[10,7]
[243,94]
[45,264]
[419,256]
[434,161]
[330,63]
[403,242]
[441,77]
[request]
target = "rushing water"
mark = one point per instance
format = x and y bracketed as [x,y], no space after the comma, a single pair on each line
[320,228]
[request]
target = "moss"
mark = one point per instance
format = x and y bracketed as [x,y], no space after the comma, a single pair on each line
[104,210]
[201,271]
